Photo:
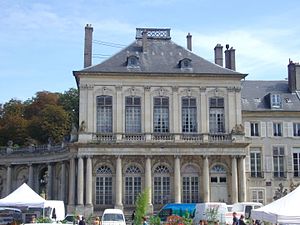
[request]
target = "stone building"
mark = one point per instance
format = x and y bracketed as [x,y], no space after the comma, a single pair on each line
[157,116]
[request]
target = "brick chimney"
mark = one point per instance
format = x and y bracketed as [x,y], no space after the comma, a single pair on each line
[88,39]
[189,42]
[219,55]
[144,40]
[230,58]
[294,76]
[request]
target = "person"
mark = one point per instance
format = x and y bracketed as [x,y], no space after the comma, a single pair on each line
[97,221]
[33,219]
[133,216]
[234,219]
[145,221]
[82,221]
[201,222]
[241,220]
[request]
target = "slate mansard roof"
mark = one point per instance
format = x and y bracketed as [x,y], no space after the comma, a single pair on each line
[161,56]
[256,96]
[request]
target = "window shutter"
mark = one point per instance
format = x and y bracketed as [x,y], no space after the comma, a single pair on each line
[247,129]
[262,129]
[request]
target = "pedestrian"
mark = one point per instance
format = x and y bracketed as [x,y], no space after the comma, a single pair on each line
[132,217]
[201,222]
[241,220]
[145,220]
[82,221]
[234,219]
[96,221]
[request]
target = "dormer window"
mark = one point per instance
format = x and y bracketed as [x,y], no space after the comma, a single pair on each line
[185,63]
[132,61]
[275,101]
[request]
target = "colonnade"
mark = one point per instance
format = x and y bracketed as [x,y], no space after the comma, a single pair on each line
[84,182]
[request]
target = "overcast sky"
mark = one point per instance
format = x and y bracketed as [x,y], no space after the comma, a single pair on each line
[41,42]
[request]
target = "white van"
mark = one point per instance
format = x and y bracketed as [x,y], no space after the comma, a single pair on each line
[113,217]
[210,211]
[243,208]
[55,210]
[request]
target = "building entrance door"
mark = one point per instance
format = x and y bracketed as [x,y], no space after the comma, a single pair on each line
[218,184]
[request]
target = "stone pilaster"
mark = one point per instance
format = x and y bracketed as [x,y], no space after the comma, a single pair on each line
[80,179]
[30,176]
[50,182]
[242,179]
[71,201]
[148,183]
[8,177]
[206,188]
[63,181]
[119,204]
[89,183]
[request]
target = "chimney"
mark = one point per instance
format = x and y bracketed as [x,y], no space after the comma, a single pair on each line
[219,55]
[189,42]
[293,76]
[144,40]
[230,58]
[88,45]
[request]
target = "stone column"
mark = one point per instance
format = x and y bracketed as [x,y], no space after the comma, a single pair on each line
[234,181]
[242,179]
[177,180]
[119,204]
[71,201]
[50,182]
[148,183]
[63,181]
[206,191]
[89,183]
[30,176]
[8,177]
[80,178]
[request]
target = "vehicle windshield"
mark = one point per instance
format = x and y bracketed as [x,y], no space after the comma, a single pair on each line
[112,217]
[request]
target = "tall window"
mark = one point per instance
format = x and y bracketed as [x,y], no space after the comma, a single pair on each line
[189,115]
[133,184]
[161,114]
[255,160]
[104,186]
[296,162]
[277,129]
[257,196]
[254,129]
[104,114]
[161,185]
[296,129]
[133,114]
[190,185]
[216,115]
[278,161]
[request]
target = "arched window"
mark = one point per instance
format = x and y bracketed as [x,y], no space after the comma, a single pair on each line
[190,185]
[133,184]
[103,186]
[104,114]
[161,185]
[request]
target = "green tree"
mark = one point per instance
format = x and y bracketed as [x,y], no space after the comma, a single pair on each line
[69,100]
[141,207]
[280,192]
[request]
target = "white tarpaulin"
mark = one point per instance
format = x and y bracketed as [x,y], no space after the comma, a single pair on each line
[24,196]
[284,210]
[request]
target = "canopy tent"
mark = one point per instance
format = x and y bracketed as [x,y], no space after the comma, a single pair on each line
[284,210]
[24,196]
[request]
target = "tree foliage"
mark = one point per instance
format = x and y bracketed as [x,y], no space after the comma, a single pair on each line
[45,116]
[141,206]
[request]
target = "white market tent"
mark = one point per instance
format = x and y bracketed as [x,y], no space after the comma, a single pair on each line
[24,196]
[284,210]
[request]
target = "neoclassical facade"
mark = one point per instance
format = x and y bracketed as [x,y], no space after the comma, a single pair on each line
[156,116]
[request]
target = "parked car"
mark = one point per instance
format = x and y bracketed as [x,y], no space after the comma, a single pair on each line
[71,219]
[113,217]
